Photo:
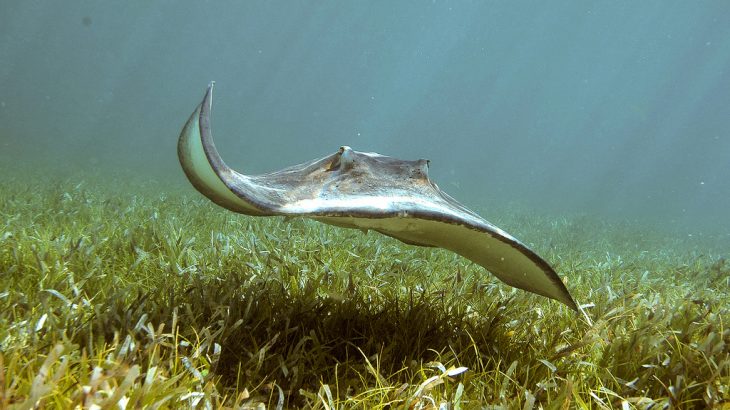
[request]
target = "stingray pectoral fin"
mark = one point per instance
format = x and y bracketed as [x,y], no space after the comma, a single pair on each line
[407,240]
[204,167]
[504,256]
[501,254]
[509,260]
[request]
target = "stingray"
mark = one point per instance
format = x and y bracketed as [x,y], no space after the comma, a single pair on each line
[366,191]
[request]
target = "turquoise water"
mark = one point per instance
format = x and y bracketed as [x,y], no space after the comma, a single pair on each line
[617,110]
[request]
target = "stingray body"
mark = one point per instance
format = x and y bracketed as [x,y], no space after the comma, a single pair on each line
[366,191]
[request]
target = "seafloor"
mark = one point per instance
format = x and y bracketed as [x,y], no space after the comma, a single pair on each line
[131,295]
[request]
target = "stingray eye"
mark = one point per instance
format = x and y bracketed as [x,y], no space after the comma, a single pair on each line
[347,157]
[421,169]
[343,160]
[334,165]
